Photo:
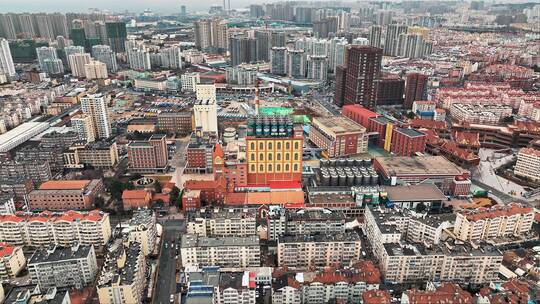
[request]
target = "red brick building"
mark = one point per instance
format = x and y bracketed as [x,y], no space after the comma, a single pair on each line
[148,156]
[211,191]
[460,186]
[341,73]
[379,125]
[362,67]
[231,165]
[60,195]
[199,153]
[180,123]
[389,90]
[191,200]
[358,114]
[415,86]
[339,136]
[133,199]
[407,141]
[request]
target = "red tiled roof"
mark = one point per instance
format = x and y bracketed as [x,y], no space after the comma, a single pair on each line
[516,286]
[164,197]
[70,216]
[360,110]
[64,185]
[135,194]
[530,151]
[467,138]
[446,293]
[6,249]
[428,124]
[376,297]
[497,211]
[452,148]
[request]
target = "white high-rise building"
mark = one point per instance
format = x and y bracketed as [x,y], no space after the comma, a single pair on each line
[77,62]
[95,70]
[189,81]
[336,52]
[528,164]
[296,63]
[94,106]
[206,92]
[206,115]
[73,49]
[278,60]
[44,53]
[171,58]
[6,61]
[360,41]
[53,66]
[105,54]
[375,36]
[317,67]
[84,126]
[139,59]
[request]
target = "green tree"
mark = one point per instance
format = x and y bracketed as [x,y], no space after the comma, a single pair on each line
[421,208]
[157,187]
[175,194]
[116,189]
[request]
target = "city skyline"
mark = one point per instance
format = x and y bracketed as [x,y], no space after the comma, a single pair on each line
[137,6]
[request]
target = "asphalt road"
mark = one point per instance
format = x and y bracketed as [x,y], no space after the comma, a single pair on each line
[166,278]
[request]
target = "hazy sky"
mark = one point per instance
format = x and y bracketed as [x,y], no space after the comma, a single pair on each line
[159,6]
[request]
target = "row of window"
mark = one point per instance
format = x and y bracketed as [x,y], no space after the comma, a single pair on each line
[269,168]
[278,146]
[270,157]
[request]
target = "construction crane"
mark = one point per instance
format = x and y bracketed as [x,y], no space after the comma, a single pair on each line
[257,93]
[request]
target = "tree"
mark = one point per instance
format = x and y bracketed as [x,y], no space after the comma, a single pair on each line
[157,187]
[421,208]
[508,119]
[116,188]
[99,202]
[175,194]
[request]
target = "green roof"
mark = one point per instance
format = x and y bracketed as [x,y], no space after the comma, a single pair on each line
[275,111]
[269,111]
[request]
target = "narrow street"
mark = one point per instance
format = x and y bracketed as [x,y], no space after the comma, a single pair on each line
[169,253]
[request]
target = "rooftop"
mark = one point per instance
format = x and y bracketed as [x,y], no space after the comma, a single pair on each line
[111,273]
[389,219]
[338,124]
[70,216]
[321,238]
[418,165]
[192,240]
[530,151]
[410,132]
[64,185]
[420,192]
[222,213]
[496,211]
[18,135]
[30,294]
[55,254]
[135,194]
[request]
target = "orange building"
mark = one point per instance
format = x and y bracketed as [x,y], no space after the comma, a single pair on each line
[274,150]
[134,199]
[65,194]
